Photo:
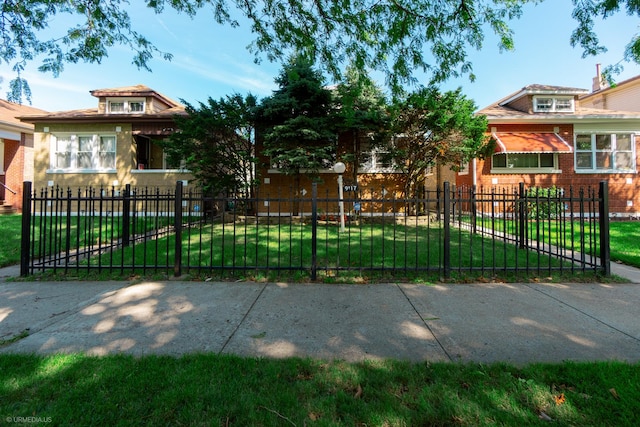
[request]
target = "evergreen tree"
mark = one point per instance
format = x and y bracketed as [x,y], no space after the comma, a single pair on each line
[296,122]
[362,115]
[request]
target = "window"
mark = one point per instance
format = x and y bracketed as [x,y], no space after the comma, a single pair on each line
[613,152]
[61,153]
[83,152]
[464,169]
[124,106]
[116,107]
[136,106]
[510,161]
[545,104]
[375,159]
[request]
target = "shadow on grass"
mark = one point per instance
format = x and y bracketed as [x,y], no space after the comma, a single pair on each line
[228,390]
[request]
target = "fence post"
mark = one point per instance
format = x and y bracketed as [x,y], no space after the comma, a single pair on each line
[522,214]
[446,256]
[605,249]
[26,229]
[126,215]
[177,262]
[314,231]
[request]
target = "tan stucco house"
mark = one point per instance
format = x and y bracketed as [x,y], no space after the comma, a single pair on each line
[113,144]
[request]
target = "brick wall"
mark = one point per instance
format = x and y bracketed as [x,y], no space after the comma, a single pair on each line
[13,167]
[624,188]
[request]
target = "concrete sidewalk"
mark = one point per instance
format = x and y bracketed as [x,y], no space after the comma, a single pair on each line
[516,323]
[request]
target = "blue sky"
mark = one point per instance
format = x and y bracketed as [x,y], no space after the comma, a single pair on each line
[212,61]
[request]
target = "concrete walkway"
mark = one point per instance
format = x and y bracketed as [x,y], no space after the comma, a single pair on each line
[516,323]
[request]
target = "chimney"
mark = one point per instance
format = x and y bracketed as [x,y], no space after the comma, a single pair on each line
[599,83]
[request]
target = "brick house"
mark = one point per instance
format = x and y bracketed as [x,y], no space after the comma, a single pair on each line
[375,177]
[114,144]
[16,153]
[546,137]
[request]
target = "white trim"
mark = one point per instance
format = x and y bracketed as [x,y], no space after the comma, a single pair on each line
[553,108]
[74,148]
[2,172]
[517,171]
[78,171]
[278,171]
[593,152]
[15,136]
[125,107]
[536,170]
[147,171]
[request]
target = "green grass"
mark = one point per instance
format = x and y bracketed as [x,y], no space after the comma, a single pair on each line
[624,236]
[233,391]
[10,226]
[286,250]
[400,249]
[625,246]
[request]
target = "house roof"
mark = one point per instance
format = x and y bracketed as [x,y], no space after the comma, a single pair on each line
[539,89]
[10,113]
[94,115]
[134,91]
[501,110]
[497,111]
[530,142]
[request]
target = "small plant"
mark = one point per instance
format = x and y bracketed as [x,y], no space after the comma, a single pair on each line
[544,202]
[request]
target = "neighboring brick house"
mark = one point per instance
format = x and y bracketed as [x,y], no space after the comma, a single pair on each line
[16,153]
[375,178]
[545,137]
[112,145]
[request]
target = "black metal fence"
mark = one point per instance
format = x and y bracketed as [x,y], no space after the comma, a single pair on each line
[446,231]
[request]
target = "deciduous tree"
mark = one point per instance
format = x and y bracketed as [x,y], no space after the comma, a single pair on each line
[397,37]
[216,142]
[436,129]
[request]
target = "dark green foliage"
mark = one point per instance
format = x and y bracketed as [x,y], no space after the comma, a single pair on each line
[296,121]
[542,202]
[216,141]
[437,129]
[395,38]
[362,114]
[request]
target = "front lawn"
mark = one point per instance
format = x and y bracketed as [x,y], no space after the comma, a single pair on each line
[624,247]
[233,391]
[625,242]
[10,230]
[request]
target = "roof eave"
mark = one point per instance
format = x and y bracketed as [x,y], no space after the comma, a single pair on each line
[102,118]
[559,119]
[17,127]
[526,92]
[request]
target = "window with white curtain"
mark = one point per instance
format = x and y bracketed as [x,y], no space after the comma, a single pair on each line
[83,152]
